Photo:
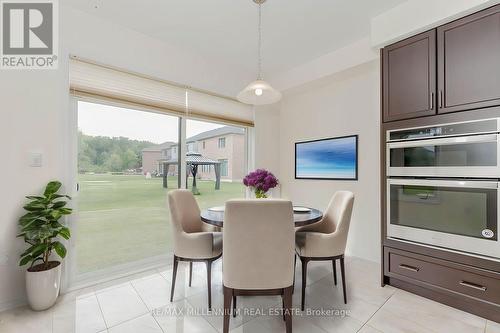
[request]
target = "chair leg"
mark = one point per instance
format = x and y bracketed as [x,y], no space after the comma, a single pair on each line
[283,304]
[294,266]
[234,306]
[209,284]
[190,272]
[174,275]
[287,300]
[342,272]
[304,280]
[334,265]
[228,293]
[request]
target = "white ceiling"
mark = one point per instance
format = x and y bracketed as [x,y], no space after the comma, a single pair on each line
[294,31]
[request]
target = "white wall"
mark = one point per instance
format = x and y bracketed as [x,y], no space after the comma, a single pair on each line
[344,104]
[35,113]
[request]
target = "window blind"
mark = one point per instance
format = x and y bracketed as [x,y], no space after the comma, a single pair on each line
[101,82]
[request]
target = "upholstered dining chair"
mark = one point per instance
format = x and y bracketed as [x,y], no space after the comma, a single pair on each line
[193,240]
[259,253]
[326,240]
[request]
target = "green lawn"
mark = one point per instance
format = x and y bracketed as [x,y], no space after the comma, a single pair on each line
[125,218]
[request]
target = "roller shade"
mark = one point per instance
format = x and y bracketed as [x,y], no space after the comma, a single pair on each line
[101,82]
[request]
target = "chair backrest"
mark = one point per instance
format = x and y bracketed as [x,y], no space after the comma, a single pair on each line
[259,243]
[337,217]
[184,212]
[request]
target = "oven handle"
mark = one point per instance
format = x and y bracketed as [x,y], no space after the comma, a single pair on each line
[444,183]
[444,141]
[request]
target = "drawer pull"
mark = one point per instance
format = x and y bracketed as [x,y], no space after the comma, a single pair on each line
[472,285]
[408,267]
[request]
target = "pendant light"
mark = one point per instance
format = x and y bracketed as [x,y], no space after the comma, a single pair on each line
[259,92]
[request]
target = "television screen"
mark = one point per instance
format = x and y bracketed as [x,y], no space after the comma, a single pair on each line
[335,158]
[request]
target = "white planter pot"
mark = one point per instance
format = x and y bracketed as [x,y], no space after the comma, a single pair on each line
[42,287]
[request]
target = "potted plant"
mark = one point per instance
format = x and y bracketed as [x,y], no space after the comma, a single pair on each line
[41,229]
[260,181]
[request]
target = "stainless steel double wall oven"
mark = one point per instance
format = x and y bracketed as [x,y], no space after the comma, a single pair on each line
[443,186]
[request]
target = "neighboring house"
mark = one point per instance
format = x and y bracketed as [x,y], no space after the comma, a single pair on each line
[225,144]
[152,155]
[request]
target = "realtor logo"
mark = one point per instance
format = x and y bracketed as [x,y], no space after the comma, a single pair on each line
[29,34]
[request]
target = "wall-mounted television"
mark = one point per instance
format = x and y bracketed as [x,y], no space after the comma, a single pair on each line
[333,158]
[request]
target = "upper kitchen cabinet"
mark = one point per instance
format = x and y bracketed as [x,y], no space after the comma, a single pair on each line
[409,77]
[469,62]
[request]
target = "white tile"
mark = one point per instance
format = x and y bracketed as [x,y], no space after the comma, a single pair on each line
[389,322]
[25,320]
[180,317]
[143,324]
[433,315]
[267,324]
[337,324]
[368,329]
[75,294]
[88,315]
[64,317]
[154,290]
[492,327]
[120,304]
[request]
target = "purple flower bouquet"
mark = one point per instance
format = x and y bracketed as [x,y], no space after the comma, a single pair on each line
[260,181]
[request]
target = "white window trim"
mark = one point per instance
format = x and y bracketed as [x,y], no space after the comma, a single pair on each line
[70,279]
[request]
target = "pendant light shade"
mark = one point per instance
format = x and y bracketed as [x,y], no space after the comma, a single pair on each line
[259,92]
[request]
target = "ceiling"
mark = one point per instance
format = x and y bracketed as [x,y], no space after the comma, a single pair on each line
[294,31]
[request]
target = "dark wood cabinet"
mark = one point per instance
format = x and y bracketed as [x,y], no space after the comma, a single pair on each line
[469,62]
[409,77]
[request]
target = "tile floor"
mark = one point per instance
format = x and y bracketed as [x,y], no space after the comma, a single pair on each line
[141,304]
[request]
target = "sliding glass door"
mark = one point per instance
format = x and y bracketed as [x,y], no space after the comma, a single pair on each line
[127,162]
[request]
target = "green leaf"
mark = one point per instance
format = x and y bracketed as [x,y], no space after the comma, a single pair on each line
[38,250]
[34,206]
[34,197]
[52,188]
[25,260]
[65,211]
[60,249]
[56,214]
[65,233]
[59,204]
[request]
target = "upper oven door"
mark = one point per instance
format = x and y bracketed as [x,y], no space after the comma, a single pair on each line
[462,156]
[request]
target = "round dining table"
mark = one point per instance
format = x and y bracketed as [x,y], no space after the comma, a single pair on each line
[215,216]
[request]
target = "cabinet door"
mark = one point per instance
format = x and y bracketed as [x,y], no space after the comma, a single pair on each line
[469,62]
[409,77]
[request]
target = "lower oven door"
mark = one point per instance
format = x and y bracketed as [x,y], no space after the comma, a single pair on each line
[457,215]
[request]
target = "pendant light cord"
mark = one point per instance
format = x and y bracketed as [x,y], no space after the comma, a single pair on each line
[259,76]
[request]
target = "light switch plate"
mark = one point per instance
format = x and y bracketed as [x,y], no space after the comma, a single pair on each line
[3,259]
[35,160]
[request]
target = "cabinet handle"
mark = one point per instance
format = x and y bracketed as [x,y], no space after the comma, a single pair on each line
[409,268]
[432,101]
[440,99]
[472,285]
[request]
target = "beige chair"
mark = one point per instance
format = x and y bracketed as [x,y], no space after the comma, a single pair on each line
[326,239]
[258,252]
[193,240]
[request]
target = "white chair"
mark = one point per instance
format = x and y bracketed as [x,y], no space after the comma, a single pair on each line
[193,240]
[259,252]
[326,240]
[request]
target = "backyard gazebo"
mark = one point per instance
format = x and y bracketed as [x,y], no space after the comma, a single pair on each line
[193,160]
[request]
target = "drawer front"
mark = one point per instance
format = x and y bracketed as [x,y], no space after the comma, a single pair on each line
[466,282]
